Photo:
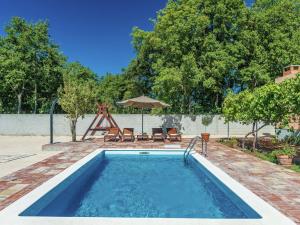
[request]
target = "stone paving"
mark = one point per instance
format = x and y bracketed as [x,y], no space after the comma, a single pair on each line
[278,186]
[8,158]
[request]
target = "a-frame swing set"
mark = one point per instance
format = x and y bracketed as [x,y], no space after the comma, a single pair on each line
[97,124]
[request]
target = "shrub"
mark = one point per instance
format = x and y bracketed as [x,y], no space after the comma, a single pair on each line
[207,120]
[293,139]
[266,156]
[287,150]
[232,142]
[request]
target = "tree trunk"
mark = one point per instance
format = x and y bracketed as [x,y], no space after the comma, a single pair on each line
[255,140]
[254,143]
[73,129]
[217,100]
[20,95]
[35,99]
[20,102]
[243,143]
[254,132]
[254,136]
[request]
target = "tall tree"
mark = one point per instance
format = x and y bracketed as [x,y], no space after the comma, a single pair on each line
[113,88]
[277,23]
[189,53]
[30,64]
[201,48]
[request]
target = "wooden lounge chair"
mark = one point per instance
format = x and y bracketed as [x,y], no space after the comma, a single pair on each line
[112,135]
[173,134]
[158,134]
[128,134]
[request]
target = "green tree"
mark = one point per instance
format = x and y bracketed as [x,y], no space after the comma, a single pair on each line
[199,49]
[111,90]
[271,104]
[189,54]
[291,90]
[196,52]
[30,64]
[79,71]
[117,87]
[277,24]
[78,94]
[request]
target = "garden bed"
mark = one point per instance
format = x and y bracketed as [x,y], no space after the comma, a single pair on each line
[266,146]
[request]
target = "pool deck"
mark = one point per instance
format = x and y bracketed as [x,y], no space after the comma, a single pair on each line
[18,152]
[278,186]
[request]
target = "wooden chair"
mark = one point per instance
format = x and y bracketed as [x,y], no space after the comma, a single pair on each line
[128,134]
[158,134]
[173,134]
[112,135]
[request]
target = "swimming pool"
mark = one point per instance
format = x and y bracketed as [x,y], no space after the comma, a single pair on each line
[116,187]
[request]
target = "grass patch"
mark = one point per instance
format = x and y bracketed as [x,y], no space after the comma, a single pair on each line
[296,168]
[271,158]
[266,156]
[262,155]
[231,142]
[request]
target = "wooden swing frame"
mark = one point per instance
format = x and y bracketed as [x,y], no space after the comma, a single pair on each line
[95,126]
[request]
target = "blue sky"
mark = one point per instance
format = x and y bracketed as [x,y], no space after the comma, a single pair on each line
[93,32]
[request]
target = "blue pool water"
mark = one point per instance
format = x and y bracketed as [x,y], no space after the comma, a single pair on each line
[138,185]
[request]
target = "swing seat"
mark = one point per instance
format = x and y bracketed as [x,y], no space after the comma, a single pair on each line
[100,128]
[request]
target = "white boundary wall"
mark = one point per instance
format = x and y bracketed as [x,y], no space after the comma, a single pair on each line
[30,124]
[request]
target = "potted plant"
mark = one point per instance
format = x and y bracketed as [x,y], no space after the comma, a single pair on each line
[285,155]
[206,120]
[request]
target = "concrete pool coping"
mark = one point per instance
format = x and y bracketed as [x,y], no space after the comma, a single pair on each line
[269,214]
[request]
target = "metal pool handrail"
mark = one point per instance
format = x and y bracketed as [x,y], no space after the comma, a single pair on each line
[190,147]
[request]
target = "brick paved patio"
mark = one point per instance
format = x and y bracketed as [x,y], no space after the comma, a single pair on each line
[278,186]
